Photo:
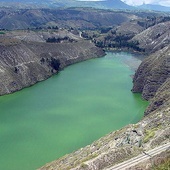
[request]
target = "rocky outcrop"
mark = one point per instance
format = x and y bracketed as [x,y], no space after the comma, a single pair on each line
[161,98]
[152,73]
[118,146]
[154,38]
[24,63]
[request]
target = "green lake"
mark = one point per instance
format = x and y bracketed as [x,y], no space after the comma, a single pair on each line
[68,111]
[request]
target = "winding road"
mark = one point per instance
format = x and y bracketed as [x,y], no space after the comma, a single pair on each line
[140,158]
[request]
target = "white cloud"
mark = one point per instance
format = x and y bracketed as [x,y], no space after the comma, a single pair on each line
[140,2]
[165,3]
[91,0]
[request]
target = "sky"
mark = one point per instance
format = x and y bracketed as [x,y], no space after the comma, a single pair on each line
[140,2]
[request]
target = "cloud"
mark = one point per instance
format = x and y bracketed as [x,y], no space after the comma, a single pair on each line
[91,0]
[165,3]
[140,2]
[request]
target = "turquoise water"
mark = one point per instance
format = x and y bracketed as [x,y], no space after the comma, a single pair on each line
[70,110]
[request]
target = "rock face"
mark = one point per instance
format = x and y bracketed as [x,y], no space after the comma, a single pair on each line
[24,63]
[154,38]
[153,72]
[161,98]
[152,78]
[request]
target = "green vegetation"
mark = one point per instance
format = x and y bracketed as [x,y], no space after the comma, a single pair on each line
[148,135]
[163,166]
[140,143]
[2,32]
[55,63]
[83,165]
[58,40]
[107,38]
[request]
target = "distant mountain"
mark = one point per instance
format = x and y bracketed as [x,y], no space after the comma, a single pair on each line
[107,4]
[115,4]
[102,4]
[154,7]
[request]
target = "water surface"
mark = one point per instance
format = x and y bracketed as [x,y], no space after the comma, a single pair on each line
[70,110]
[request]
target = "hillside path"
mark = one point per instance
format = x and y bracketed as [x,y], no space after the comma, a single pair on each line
[140,158]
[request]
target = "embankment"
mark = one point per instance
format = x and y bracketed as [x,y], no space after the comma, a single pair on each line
[23,64]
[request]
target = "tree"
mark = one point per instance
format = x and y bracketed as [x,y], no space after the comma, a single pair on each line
[55,63]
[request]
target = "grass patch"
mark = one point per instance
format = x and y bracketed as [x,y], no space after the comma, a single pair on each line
[148,135]
[162,166]
[2,32]
[83,165]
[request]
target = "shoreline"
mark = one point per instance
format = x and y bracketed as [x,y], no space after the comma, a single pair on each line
[77,60]
[40,61]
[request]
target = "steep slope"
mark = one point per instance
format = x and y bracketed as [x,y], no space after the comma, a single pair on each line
[79,18]
[154,7]
[115,4]
[118,146]
[152,73]
[111,4]
[161,98]
[154,38]
[24,63]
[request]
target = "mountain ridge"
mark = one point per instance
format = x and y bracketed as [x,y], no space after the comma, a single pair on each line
[154,7]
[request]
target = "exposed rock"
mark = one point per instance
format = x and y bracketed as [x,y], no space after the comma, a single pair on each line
[154,38]
[161,98]
[120,145]
[152,163]
[129,28]
[152,73]
[24,63]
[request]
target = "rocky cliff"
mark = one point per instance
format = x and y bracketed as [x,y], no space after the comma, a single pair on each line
[153,73]
[161,98]
[23,63]
[154,38]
